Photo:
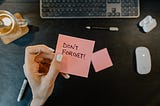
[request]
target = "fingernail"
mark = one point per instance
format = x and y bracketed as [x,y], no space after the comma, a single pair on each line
[51,49]
[67,76]
[59,57]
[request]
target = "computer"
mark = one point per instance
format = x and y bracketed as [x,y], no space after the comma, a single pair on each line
[89,8]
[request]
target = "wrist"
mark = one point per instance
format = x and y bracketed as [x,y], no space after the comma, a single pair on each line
[37,102]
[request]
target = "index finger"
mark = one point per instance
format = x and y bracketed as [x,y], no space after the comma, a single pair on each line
[38,48]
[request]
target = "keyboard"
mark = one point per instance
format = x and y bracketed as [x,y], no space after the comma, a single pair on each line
[89,8]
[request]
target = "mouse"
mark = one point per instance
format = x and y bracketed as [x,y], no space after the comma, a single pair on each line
[143,60]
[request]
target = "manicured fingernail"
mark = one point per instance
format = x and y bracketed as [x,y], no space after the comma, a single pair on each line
[67,76]
[51,49]
[59,57]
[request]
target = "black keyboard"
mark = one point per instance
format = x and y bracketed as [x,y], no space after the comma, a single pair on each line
[89,8]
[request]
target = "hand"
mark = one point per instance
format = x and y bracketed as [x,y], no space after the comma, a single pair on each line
[41,69]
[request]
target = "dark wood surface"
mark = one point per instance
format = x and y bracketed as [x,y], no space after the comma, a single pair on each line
[114,86]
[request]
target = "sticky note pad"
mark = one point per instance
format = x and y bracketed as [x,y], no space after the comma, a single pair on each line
[101,60]
[77,54]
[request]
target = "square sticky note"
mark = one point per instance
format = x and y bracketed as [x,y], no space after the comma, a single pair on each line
[101,60]
[77,54]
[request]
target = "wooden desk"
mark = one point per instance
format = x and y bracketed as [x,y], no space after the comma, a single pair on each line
[115,86]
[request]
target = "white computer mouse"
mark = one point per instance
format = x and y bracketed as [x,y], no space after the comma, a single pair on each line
[143,60]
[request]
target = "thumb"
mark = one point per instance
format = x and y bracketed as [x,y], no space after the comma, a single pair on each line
[54,68]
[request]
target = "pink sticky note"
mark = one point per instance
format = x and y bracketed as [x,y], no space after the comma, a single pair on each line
[101,60]
[77,54]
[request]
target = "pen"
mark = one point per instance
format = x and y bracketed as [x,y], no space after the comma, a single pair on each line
[22,90]
[103,28]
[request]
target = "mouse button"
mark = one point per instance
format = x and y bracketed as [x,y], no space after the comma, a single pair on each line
[139,52]
[142,50]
